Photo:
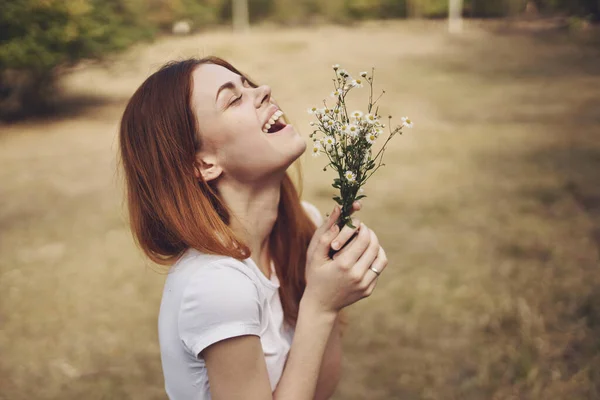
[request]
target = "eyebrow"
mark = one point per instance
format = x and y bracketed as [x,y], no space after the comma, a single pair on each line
[228,85]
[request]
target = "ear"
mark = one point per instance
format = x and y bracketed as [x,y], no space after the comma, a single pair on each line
[206,166]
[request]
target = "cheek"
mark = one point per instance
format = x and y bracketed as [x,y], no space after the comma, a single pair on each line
[239,140]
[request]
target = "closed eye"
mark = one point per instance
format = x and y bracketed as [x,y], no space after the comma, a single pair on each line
[245,83]
[236,100]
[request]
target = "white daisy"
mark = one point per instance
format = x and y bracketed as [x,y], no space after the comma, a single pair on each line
[316,150]
[352,130]
[328,141]
[363,74]
[378,131]
[335,67]
[329,123]
[407,122]
[313,110]
[357,83]
[350,176]
[337,93]
[371,137]
[342,72]
[370,118]
[357,114]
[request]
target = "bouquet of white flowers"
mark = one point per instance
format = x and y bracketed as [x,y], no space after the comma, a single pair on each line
[348,139]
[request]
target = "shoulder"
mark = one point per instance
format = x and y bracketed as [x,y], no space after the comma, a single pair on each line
[219,275]
[194,264]
[313,212]
[213,280]
[221,299]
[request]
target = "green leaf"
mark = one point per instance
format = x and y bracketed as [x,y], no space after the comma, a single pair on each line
[349,224]
[338,200]
[362,196]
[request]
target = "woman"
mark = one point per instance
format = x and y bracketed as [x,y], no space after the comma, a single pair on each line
[251,302]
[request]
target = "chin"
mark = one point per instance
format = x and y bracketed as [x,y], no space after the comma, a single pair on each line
[299,147]
[294,149]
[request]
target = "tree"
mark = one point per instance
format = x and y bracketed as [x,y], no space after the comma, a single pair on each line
[455,23]
[241,18]
[40,38]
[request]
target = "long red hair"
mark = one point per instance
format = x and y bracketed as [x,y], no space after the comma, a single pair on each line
[170,210]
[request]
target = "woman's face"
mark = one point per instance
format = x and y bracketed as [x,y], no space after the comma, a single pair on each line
[231,118]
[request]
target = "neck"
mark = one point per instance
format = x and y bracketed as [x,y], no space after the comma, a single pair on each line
[254,212]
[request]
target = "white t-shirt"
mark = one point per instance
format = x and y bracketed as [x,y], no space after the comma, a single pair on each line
[209,298]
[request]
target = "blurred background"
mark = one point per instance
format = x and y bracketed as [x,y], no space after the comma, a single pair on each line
[489,208]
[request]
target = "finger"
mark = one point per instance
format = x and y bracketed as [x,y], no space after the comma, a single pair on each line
[325,226]
[369,256]
[332,219]
[357,246]
[379,264]
[345,235]
[324,242]
[369,290]
[356,206]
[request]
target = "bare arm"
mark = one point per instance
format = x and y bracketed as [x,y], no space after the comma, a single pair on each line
[241,360]
[329,376]
[301,373]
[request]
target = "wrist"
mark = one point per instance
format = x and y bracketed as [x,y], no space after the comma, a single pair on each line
[311,306]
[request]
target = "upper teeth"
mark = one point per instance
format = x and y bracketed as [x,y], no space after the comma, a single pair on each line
[272,120]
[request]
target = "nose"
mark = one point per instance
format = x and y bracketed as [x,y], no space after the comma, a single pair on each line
[263,93]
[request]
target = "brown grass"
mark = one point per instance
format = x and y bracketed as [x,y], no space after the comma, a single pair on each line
[489,210]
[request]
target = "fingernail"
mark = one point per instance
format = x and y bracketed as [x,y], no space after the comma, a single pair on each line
[335,245]
[335,228]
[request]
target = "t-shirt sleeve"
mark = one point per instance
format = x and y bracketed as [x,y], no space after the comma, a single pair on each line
[313,212]
[219,302]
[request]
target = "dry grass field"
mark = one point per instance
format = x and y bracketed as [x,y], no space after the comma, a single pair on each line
[489,210]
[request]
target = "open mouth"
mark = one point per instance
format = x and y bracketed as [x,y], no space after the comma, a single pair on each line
[275,123]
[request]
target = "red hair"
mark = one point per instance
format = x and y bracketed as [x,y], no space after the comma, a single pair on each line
[170,210]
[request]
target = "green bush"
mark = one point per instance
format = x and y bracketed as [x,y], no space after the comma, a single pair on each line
[488,8]
[580,8]
[39,37]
